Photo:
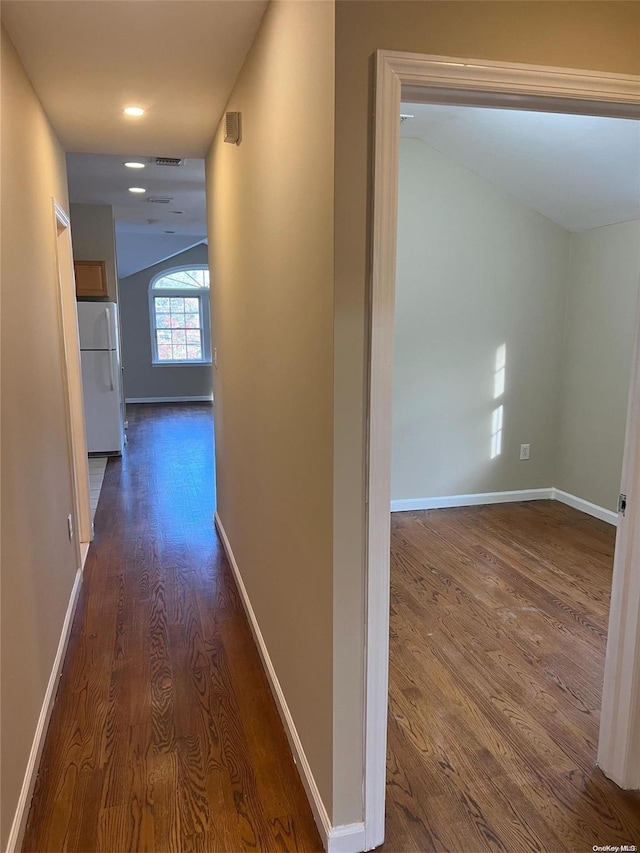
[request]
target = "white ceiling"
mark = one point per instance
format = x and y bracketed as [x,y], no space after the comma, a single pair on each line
[142,226]
[579,171]
[178,59]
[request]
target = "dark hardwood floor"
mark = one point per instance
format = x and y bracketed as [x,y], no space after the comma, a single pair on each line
[164,735]
[498,630]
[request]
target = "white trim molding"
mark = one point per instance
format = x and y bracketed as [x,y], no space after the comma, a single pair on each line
[61,215]
[440,79]
[336,839]
[596,511]
[481,498]
[349,838]
[19,824]
[472,500]
[619,744]
[72,377]
[205,398]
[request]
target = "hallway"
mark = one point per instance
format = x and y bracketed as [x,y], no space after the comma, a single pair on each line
[164,735]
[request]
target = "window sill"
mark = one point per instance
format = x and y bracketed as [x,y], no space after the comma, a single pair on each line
[205,363]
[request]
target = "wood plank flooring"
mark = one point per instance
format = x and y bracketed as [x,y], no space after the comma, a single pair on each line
[498,631]
[164,735]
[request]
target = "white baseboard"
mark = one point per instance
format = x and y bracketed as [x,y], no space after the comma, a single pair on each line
[336,839]
[471,500]
[24,801]
[585,506]
[348,838]
[206,398]
[507,497]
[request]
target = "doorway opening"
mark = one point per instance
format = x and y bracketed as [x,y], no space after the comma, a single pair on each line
[448,81]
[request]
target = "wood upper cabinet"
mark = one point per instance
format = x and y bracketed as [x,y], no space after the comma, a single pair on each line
[91,278]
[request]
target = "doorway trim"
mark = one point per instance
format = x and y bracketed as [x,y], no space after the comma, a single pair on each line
[72,380]
[471,82]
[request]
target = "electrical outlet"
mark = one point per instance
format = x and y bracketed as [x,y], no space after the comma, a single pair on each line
[70,526]
[525,451]
[215,357]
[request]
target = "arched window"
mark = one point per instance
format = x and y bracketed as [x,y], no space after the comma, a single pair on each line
[179,312]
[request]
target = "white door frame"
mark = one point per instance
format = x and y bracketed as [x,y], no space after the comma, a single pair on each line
[450,80]
[72,378]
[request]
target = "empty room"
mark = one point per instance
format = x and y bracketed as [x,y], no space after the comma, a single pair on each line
[518,261]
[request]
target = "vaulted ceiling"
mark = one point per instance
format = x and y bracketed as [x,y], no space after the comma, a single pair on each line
[579,171]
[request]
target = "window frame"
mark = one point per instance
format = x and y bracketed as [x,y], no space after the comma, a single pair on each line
[203,296]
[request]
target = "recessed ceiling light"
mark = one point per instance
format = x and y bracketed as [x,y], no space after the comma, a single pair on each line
[134,165]
[137,190]
[133,111]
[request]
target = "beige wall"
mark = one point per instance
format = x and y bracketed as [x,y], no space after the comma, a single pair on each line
[93,235]
[38,561]
[596,361]
[476,270]
[591,35]
[271,249]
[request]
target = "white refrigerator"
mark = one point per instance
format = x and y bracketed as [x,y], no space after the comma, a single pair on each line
[101,376]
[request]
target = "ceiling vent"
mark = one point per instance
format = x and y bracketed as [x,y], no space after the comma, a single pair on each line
[157,200]
[169,161]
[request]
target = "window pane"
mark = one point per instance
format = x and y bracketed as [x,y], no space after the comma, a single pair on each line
[177,320]
[183,280]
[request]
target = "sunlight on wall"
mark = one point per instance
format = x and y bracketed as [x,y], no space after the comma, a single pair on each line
[498,390]
[498,379]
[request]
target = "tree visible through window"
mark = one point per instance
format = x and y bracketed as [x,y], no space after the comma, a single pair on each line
[179,303]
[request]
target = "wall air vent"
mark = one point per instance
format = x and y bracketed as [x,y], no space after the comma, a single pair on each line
[157,200]
[232,128]
[169,161]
